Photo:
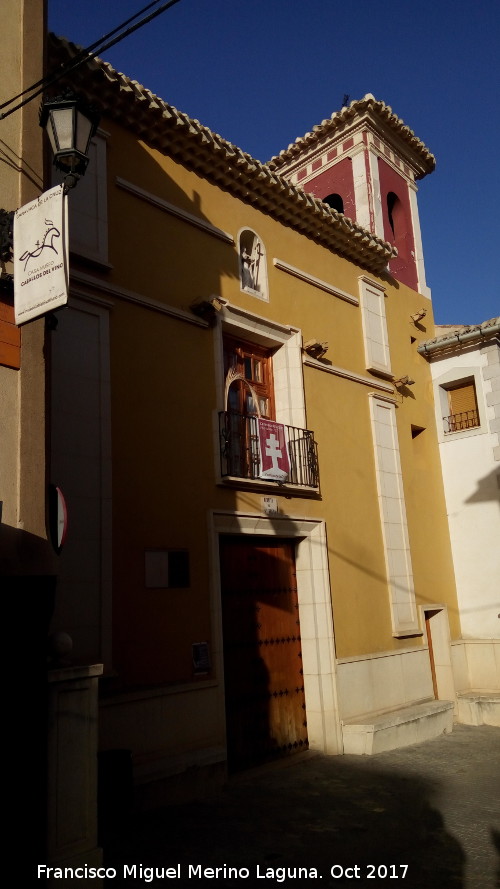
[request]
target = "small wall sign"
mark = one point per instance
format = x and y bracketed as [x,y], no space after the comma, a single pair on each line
[201,658]
[270,505]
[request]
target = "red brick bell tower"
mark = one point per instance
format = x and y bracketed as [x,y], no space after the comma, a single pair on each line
[365,162]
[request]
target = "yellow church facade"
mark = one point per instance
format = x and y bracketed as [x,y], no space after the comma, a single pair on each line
[244,432]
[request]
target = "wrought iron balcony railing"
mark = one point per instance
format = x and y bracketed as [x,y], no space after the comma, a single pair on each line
[240,455]
[463,420]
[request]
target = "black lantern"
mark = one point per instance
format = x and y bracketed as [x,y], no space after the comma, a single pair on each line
[70,124]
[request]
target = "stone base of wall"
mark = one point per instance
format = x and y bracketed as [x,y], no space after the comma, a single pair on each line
[179,779]
[476,665]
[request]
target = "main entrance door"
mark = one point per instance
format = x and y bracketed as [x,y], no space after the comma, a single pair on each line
[264,688]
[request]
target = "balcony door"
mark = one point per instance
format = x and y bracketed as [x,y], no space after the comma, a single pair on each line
[251,393]
[249,377]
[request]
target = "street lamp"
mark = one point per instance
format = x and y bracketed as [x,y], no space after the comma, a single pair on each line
[70,124]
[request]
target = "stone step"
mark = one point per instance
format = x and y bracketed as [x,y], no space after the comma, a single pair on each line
[374,733]
[479,707]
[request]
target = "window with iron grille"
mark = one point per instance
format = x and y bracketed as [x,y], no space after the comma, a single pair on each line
[462,407]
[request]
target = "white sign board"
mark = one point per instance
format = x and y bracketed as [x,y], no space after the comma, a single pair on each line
[41,255]
[270,505]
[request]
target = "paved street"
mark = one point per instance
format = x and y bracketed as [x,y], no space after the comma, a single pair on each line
[427,816]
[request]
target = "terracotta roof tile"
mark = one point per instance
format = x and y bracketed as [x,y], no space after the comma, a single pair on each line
[221,162]
[367,105]
[448,330]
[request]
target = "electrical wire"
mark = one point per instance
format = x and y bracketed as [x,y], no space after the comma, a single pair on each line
[86,54]
[82,53]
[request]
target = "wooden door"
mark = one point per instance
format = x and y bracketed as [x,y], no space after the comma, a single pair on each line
[264,688]
[428,629]
[250,395]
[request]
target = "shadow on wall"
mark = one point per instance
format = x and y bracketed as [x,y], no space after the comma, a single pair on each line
[28,584]
[488,488]
[185,262]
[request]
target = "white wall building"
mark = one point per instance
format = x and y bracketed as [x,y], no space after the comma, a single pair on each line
[465,367]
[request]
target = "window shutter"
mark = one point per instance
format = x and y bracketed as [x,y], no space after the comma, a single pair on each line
[462,399]
[462,405]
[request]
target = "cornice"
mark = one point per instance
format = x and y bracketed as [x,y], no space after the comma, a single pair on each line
[114,290]
[167,207]
[346,374]
[316,282]
[368,112]
[392,151]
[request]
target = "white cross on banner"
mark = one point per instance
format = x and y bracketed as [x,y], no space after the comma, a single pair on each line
[274,457]
[41,255]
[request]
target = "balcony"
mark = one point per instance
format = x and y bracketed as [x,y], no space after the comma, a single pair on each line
[460,421]
[240,455]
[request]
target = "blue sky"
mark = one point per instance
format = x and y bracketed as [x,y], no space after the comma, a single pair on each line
[263,72]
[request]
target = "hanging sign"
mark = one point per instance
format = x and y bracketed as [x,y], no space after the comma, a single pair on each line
[41,255]
[274,457]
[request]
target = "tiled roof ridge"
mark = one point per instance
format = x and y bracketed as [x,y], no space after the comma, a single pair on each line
[219,160]
[348,113]
[464,329]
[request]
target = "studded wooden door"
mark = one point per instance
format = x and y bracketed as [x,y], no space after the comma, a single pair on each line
[264,688]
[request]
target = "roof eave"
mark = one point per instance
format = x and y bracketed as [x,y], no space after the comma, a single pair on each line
[381,118]
[175,134]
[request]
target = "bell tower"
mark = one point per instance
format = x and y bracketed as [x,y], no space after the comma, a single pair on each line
[365,162]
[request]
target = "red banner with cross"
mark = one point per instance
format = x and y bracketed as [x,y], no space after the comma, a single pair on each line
[274,456]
